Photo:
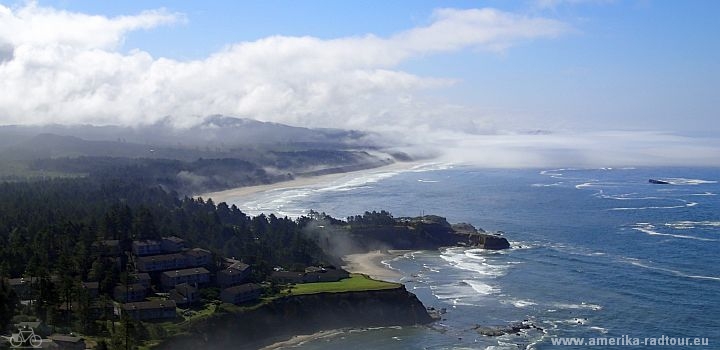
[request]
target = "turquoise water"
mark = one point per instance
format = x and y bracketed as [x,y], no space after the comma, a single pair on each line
[596,253]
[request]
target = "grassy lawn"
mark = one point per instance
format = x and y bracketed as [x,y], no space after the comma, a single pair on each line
[356,282]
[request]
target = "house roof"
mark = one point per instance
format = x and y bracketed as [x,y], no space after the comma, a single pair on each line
[314,269]
[243,288]
[131,287]
[148,305]
[173,239]
[142,276]
[161,257]
[65,338]
[34,324]
[198,252]
[235,269]
[22,280]
[146,243]
[97,304]
[185,289]
[187,272]
[285,274]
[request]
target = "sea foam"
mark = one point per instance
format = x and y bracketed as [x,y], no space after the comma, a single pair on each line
[649,229]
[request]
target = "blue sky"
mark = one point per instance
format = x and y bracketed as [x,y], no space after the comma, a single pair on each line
[479,67]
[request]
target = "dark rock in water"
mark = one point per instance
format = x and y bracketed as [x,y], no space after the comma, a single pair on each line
[513,328]
[495,242]
[658,182]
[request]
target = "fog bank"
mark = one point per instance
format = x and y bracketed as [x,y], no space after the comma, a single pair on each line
[570,149]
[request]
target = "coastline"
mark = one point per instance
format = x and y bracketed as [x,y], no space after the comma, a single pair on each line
[301,181]
[371,264]
[299,340]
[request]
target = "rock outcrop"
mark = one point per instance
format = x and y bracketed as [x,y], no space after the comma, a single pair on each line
[424,233]
[513,328]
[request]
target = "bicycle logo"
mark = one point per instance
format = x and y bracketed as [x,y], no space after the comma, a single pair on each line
[26,336]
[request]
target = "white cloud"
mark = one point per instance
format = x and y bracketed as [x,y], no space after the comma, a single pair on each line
[78,74]
[487,28]
[41,26]
[551,4]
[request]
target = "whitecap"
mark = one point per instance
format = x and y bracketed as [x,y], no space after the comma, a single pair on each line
[355,182]
[427,267]
[691,182]
[481,288]
[568,249]
[649,229]
[638,263]
[553,172]
[519,303]
[682,224]
[582,305]
[626,197]
[525,245]
[555,184]
[471,260]
[461,294]
[576,321]
[431,167]
[686,205]
[599,329]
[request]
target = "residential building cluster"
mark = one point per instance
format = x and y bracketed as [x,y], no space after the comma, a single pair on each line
[162,276]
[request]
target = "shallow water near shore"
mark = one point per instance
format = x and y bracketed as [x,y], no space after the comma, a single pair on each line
[596,253]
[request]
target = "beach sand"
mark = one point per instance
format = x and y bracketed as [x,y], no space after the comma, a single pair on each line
[371,264]
[299,340]
[367,263]
[235,194]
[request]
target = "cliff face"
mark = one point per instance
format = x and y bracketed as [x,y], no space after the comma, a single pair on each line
[427,233]
[303,314]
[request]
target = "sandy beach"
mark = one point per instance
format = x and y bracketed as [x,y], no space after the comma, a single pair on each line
[371,264]
[234,194]
[299,340]
[367,263]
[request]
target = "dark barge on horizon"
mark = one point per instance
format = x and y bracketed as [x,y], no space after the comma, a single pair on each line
[658,182]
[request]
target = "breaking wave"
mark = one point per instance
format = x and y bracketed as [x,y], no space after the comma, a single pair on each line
[650,230]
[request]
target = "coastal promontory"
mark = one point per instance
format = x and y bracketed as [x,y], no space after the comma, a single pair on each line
[285,317]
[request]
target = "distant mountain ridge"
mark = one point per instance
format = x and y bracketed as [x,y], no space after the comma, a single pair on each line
[215,131]
[220,153]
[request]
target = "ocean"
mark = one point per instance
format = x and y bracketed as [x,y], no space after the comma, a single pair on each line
[596,253]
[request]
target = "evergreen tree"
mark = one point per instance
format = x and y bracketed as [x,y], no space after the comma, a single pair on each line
[8,301]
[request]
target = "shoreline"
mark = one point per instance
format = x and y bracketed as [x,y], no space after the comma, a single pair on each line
[234,194]
[371,264]
[300,339]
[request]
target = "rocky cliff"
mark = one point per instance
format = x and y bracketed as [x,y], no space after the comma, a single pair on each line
[282,318]
[424,233]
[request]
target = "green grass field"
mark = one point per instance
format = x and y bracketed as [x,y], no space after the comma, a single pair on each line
[356,282]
